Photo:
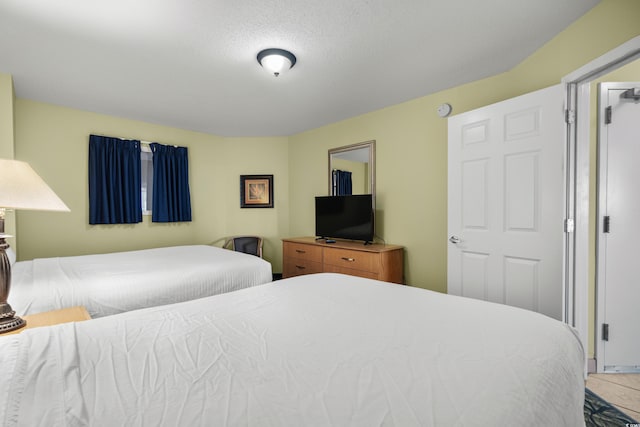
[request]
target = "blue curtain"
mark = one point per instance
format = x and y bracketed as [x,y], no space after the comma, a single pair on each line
[114,181]
[171,197]
[342,183]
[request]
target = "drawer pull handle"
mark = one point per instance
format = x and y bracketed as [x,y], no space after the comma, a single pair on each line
[300,267]
[300,251]
[348,259]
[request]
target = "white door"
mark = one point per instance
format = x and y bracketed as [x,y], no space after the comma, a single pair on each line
[618,280]
[505,208]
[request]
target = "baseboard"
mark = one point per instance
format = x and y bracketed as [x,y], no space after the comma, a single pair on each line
[591,366]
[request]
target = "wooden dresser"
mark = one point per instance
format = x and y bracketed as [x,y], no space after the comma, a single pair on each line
[306,255]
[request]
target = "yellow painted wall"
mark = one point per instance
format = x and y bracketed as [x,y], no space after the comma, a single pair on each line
[6,116]
[411,175]
[54,140]
[258,156]
[411,142]
[7,99]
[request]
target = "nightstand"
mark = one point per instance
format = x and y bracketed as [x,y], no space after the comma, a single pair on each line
[54,317]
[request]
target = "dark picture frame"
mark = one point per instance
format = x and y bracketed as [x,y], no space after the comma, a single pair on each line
[256,191]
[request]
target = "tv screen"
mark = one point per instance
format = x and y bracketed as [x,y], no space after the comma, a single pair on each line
[345,217]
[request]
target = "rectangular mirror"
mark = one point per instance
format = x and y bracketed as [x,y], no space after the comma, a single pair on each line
[358,160]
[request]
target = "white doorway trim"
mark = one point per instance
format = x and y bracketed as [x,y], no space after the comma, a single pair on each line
[576,253]
[613,292]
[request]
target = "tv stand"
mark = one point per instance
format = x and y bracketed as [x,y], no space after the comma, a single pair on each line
[306,255]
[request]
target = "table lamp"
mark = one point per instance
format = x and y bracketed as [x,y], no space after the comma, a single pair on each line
[20,188]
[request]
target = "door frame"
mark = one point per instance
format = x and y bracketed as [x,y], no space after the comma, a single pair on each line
[601,207]
[577,141]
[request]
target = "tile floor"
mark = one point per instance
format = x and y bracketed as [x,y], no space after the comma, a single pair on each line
[621,390]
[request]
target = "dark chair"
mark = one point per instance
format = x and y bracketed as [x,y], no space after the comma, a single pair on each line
[247,244]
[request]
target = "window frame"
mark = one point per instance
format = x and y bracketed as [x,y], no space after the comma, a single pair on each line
[146,181]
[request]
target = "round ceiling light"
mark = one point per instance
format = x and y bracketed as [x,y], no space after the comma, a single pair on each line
[276,60]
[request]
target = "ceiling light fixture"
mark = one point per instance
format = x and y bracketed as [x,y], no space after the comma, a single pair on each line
[276,60]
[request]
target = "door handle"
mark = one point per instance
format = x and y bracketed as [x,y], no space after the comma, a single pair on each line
[455,240]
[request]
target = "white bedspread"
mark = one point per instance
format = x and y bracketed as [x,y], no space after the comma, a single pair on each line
[318,350]
[114,283]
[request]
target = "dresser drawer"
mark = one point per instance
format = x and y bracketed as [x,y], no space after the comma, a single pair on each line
[354,260]
[302,252]
[297,267]
[328,268]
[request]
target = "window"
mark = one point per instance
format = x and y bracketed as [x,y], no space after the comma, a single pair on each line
[146,161]
[128,178]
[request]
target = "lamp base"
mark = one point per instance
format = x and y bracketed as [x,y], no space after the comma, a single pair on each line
[11,324]
[8,319]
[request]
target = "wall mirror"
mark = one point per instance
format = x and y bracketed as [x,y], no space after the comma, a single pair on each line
[360,160]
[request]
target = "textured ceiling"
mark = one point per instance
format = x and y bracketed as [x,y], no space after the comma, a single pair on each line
[192,64]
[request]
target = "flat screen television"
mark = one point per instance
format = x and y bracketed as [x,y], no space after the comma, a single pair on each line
[345,217]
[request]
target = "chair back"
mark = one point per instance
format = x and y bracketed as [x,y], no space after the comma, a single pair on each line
[247,244]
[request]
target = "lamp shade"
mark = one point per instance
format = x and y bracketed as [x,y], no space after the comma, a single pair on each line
[22,188]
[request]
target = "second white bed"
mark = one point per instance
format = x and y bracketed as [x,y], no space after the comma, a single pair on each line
[113,283]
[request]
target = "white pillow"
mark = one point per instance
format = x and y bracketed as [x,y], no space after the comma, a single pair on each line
[12,256]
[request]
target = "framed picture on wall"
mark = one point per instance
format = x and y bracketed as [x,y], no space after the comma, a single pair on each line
[256,191]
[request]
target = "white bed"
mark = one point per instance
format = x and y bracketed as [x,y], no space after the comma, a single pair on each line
[317,350]
[113,283]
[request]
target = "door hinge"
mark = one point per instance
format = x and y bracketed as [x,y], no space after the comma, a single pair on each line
[569,116]
[606,224]
[633,93]
[607,115]
[569,225]
[605,332]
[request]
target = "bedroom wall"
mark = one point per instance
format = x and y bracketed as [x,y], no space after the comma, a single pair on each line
[6,141]
[54,140]
[258,156]
[411,174]
[411,150]
[6,116]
